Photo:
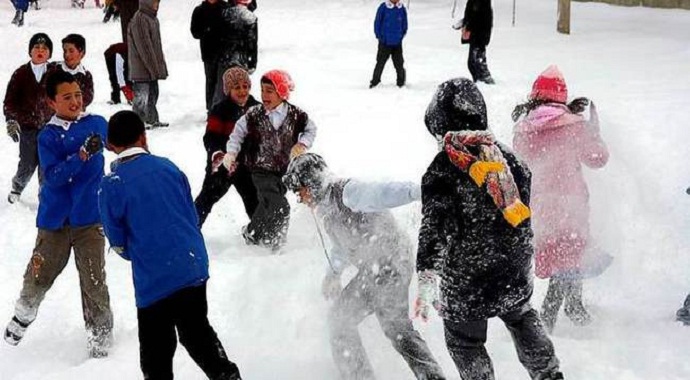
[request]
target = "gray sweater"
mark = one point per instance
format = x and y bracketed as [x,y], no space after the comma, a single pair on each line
[146,59]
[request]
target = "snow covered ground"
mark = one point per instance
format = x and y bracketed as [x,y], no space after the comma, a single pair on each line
[267,309]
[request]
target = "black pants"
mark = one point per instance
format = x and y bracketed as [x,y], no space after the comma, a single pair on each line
[145,99]
[184,311]
[211,72]
[465,341]
[28,161]
[217,184]
[382,55]
[269,223]
[568,289]
[386,297]
[476,63]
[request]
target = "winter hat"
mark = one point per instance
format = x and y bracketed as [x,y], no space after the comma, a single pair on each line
[457,105]
[281,80]
[550,86]
[234,76]
[243,2]
[308,170]
[41,38]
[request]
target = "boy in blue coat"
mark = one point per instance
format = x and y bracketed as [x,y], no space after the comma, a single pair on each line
[70,153]
[149,218]
[390,27]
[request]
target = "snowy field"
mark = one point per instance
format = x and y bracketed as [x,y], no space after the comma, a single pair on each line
[267,310]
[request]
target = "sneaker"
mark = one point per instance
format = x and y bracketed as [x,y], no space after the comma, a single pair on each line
[373,84]
[683,315]
[15,20]
[15,331]
[157,124]
[13,197]
[112,102]
[99,344]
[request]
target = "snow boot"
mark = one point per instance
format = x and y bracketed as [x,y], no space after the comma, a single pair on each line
[552,303]
[683,314]
[13,197]
[549,376]
[14,332]
[98,343]
[20,20]
[574,308]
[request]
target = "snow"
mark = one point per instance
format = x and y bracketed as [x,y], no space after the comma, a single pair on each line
[268,310]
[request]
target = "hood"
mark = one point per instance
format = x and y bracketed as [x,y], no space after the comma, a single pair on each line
[547,116]
[146,6]
[457,105]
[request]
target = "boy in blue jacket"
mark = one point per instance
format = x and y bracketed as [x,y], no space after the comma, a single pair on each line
[70,153]
[390,27]
[150,219]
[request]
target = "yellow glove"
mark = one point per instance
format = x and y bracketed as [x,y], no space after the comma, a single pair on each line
[297,150]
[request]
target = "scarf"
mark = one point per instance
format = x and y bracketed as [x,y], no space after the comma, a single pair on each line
[489,167]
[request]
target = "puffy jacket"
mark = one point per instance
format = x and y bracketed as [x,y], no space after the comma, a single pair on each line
[390,25]
[26,101]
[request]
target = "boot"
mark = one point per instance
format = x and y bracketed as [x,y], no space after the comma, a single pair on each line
[683,314]
[14,332]
[552,303]
[574,308]
[20,21]
[16,17]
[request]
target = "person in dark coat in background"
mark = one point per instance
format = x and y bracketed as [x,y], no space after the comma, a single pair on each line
[390,27]
[127,9]
[476,30]
[251,4]
[476,236]
[118,72]
[206,27]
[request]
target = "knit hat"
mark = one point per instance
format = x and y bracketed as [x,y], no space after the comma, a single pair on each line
[243,2]
[281,80]
[41,38]
[234,76]
[550,86]
[457,105]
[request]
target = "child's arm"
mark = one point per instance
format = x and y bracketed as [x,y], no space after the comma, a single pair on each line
[12,99]
[378,21]
[57,171]
[237,137]
[374,197]
[111,208]
[307,137]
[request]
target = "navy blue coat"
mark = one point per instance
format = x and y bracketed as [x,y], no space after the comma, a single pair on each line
[390,25]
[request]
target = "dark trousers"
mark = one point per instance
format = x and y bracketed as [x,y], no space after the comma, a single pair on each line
[269,223]
[382,55]
[185,311]
[217,184]
[28,161]
[568,289]
[476,63]
[145,99]
[387,298]
[211,72]
[465,341]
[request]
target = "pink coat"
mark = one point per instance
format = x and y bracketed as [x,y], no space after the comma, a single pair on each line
[555,143]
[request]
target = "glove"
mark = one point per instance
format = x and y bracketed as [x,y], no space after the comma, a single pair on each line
[13,130]
[217,160]
[229,162]
[92,145]
[330,287]
[427,294]
[129,93]
[297,150]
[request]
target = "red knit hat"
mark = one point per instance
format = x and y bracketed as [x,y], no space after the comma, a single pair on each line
[282,81]
[243,2]
[550,86]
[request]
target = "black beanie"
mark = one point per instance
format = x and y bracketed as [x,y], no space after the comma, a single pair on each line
[124,129]
[41,38]
[457,105]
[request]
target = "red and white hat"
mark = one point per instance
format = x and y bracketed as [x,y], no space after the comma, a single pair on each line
[243,2]
[550,85]
[281,81]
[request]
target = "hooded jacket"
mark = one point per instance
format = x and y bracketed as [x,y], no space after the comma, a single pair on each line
[146,60]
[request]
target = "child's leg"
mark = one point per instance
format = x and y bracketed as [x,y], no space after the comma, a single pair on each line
[244,185]
[153,100]
[574,308]
[398,62]
[552,302]
[270,220]
[157,340]
[382,55]
[465,342]
[28,160]
[197,335]
[112,77]
[211,72]
[141,99]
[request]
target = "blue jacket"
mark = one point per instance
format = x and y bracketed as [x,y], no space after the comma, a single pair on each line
[147,211]
[69,192]
[390,25]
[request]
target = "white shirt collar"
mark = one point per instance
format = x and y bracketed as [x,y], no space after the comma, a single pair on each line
[131,152]
[280,109]
[390,4]
[39,70]
[77,70]
[65,124]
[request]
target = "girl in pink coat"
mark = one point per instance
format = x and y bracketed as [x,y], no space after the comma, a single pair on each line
[556,140]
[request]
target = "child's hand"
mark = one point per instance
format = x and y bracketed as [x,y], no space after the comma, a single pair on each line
[297,150]
[13,129]
[92,145]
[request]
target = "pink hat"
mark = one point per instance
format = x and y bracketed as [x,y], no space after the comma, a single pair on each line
[550,86]
[243,2]
[282,81]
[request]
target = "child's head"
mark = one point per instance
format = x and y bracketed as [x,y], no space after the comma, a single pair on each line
[73,49]
[457,105]
[275,87]
[550,86]
[40,48]
[64,95]
[125,130]
[236,85]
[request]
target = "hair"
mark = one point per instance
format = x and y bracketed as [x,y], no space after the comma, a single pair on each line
[77,40]
[55,79]
[124,129]
[577,105]
[265,80]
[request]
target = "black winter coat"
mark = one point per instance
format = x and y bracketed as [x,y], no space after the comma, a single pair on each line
[239,41]
[207,23]
[484,263]
[479,19]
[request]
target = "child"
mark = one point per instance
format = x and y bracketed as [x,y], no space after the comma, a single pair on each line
[390,27]
[118,73]
[73,50]
[146,62]
[21,7]
[26,110]
[150,220]
[476,236]
[476,30]
[556,140]
[206,27]
[269,135]
[353,213]
[70,149]
[221,122]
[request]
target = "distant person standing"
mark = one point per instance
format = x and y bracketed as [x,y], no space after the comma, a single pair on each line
[127,9]
[390,27]
[206,27]
[476,31]
[118,73]
[20,6]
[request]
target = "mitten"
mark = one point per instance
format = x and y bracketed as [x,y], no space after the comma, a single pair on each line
[297,150]
[92,145]
[129,93]
[427,294]
[13,130]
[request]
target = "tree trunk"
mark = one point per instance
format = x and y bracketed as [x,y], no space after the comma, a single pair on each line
[564,16]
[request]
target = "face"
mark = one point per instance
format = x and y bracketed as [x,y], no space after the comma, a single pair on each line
[72,55]
[155,4]
[304,196]
[239,93]
[39,54]
[269,96]
[68,102]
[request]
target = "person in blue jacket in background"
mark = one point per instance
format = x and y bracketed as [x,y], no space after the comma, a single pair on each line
[390,27]
[150,219]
